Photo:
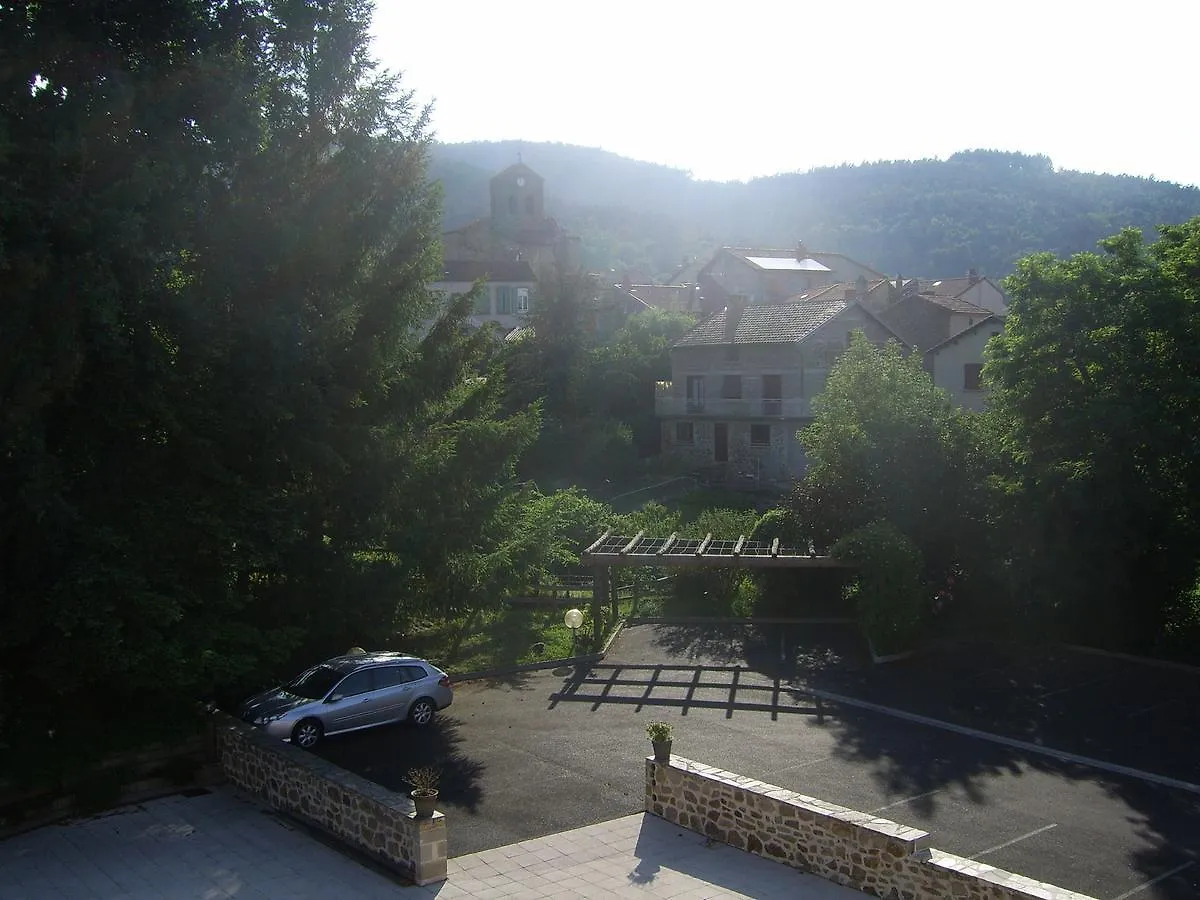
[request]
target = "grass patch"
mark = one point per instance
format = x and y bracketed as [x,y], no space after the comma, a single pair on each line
[503,637]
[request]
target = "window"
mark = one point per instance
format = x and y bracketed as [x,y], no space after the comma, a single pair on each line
[356,683]
[973,377]
[684,433]
[731,387]
[512,206]
[315,683]
[772,395]
[760,435]
[389,676]
[695,393]
[483,301]
[523,300]
[504,299]
[529,206]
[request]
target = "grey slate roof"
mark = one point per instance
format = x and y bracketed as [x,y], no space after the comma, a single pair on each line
[763,324]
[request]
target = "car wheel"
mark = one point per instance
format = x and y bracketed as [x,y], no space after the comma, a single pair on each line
[307,733]
[421,712]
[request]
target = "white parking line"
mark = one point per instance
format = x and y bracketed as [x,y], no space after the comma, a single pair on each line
[1153,881]
[907,800]
[1146,709]
[1072,687]
[1015,840]
[1028,747]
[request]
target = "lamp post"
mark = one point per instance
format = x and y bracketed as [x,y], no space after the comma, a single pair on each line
[573,618]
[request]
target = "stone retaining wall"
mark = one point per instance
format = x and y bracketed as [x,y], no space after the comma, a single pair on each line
[364,815]
[849,848]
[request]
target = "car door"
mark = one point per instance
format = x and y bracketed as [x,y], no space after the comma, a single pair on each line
[349,702]
[392,695]
[415,677]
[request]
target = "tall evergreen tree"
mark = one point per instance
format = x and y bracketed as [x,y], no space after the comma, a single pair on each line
[228,431]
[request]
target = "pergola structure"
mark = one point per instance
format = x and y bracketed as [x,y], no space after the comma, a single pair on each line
[639,550]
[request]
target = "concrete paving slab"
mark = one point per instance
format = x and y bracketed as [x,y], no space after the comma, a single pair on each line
[633,856]
[226,844]
[215,846]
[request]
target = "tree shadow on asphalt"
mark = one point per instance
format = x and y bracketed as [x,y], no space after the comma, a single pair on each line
[766,649]
[384,755]
[921,762]
[987,687]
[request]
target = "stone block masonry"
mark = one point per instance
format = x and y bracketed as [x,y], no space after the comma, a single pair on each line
[364,815]
[850,848]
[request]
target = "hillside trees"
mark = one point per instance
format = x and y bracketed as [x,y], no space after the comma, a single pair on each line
[220,417]
[1098,392]
[981,209]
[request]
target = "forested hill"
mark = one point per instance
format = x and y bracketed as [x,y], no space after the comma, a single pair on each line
[979,208]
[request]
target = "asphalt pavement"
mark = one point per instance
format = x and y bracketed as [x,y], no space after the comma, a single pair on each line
[543,752]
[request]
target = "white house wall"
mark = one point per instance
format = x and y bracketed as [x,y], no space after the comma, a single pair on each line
[947,366]
[985,294]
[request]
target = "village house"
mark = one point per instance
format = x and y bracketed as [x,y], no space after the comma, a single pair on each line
[951,333]
[742,384]
[749,275]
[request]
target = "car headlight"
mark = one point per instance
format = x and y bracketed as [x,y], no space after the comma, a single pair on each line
[267,720]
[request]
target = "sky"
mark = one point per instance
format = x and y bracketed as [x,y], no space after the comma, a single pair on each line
[737,90]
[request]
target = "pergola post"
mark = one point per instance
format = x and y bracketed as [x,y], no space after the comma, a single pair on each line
[599,594]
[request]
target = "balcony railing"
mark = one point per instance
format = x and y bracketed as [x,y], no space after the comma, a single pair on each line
[772,407]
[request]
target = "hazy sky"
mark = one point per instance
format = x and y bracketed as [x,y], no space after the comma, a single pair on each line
[735,90]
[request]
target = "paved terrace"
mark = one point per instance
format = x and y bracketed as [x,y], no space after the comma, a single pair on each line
[225,844]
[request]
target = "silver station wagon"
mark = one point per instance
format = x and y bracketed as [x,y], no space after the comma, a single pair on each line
[346,693]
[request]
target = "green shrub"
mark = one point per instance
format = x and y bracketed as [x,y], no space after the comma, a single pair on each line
[887,588]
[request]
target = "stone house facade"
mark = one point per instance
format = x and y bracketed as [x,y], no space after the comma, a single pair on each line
[742,384]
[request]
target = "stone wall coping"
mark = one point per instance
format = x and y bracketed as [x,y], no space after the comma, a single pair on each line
[1015,885]
[326,771]
[885,828]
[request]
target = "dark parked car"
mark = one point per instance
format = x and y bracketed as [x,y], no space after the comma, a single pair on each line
[351,692]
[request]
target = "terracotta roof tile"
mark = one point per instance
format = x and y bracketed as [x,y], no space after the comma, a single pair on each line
[762,324]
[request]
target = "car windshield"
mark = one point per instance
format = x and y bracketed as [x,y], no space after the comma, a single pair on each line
[315,683]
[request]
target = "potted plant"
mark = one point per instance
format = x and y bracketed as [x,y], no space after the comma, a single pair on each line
[660,738]
[424,794]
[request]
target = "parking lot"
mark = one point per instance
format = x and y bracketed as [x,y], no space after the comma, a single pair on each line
[547,751]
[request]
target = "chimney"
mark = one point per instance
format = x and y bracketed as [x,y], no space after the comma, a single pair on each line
[733,317]
[973,275]
[801,250]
